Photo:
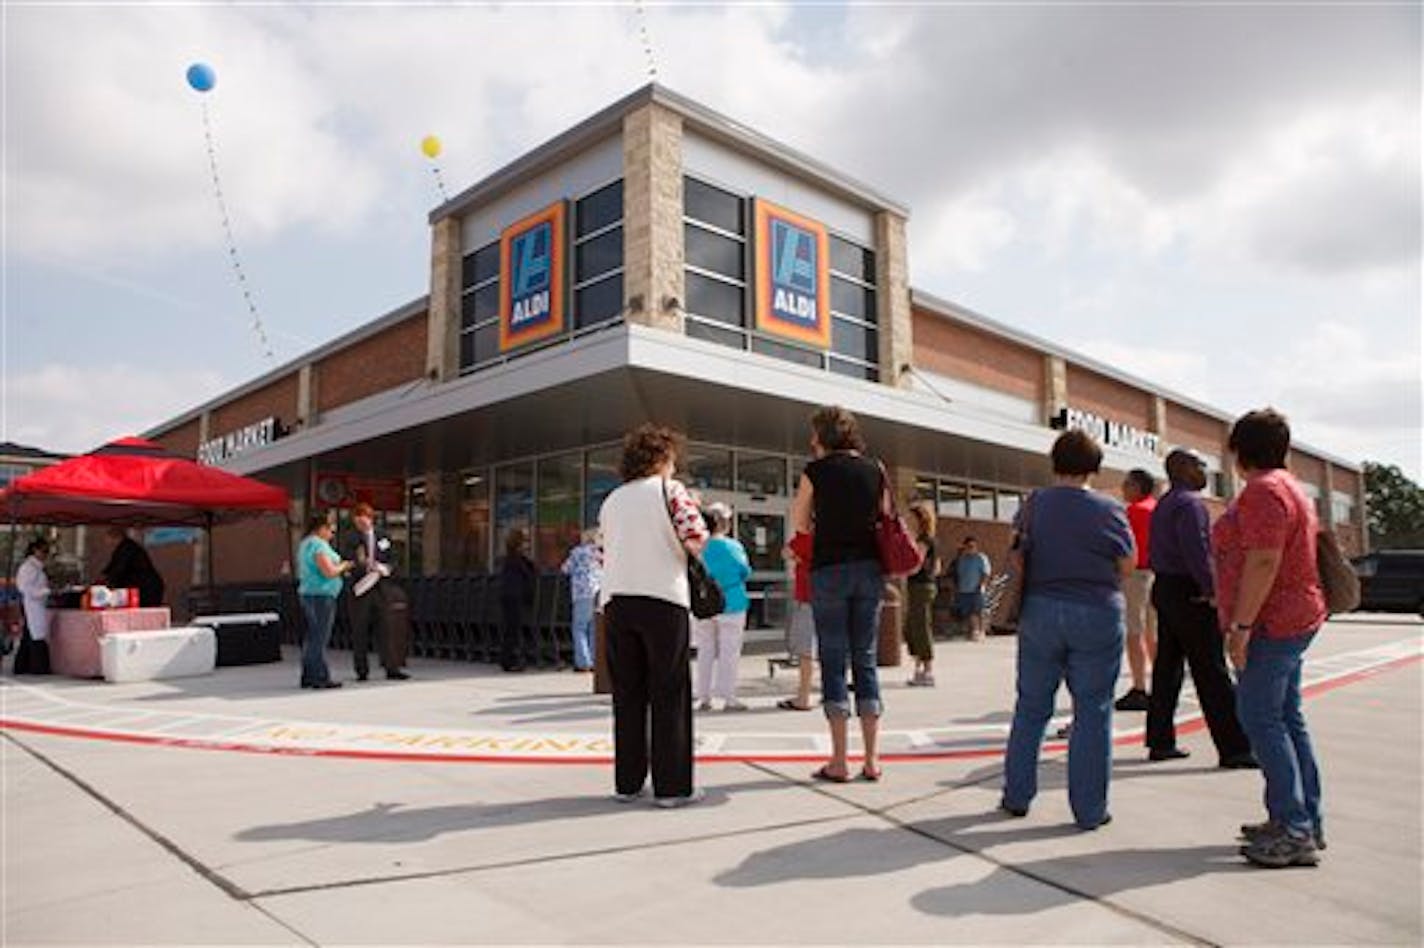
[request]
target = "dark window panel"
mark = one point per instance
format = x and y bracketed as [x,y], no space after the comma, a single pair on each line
[486,343]
[713,252]
[599,209]
[854,340]
[481,265]
[599,255]
[852,260]
[480,305]
[852,299]
[702,202]
[714,299]
[598,302]
[787,353]
[467,350]
[723,337]
[854,370]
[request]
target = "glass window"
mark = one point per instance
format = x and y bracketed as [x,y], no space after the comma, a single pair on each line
[482,305]
[707,468]
[854,370]
[474,525]
[852,259]
[764,475]
[953,499]
[854,340]
[481,265]
[603,479]
[710,251]
[723,337]
[714,299]
[981,503]
[559,510]
[598,255]
[415,528]
[702,202]
[598,302]
[513,502]
[1010,502]
[599,209]
[486,343]
[780,350]
[852,299]
[467,349]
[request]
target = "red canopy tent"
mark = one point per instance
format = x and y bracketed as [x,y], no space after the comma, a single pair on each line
[136,483]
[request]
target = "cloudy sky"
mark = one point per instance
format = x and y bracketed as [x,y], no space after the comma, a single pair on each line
[1225,199]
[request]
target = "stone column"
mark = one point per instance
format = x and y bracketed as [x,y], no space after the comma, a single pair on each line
[441,524]
[306,395]
[653,284]
[892,299]
[1055,386]
[442,354]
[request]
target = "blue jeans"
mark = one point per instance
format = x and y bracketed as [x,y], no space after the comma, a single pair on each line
[320,612]
[845,600]
[1268,704]
[581,627]
[1060,639]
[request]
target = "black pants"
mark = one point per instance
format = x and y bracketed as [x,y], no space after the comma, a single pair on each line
[368,630]
[511,633]
[1187,630]
[31,657]
[647,656]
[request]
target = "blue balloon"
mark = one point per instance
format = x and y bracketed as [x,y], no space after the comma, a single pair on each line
[201,77]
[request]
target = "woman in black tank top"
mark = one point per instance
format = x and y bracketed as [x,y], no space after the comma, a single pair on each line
[837,501]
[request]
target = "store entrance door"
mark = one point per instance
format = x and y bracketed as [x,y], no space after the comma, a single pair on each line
[760,523]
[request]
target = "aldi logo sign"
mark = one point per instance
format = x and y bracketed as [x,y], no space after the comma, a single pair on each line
[531,271]
[793,276]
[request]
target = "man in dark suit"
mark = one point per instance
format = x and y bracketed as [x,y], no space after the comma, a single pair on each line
[130,567]
[369,593]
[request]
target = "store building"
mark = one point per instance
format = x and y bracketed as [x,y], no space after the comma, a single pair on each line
[659,261]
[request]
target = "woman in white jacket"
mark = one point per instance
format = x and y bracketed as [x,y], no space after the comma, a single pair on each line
[32,658]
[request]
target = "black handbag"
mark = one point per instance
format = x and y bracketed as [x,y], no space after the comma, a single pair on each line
[706,596]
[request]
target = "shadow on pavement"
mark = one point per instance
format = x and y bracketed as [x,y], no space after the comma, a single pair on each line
[397,823]
[1101,874]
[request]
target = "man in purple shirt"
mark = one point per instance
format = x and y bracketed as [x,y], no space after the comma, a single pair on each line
[1183,594]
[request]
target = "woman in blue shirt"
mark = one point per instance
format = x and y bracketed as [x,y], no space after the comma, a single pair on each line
[319,572]
[1078,547]
[719,639]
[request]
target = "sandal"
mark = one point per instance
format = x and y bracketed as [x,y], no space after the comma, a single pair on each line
[825,776]
[786,704]
[873,776]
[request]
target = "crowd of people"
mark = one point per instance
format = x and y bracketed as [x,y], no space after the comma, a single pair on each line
[1149,578]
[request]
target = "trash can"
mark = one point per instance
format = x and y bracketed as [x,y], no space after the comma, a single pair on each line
[602,677]
[888,650]
[396,626]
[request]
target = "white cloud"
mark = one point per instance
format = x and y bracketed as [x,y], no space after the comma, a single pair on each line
[960,234]
[74,408]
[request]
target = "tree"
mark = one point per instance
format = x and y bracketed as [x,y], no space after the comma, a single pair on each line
[1396,508]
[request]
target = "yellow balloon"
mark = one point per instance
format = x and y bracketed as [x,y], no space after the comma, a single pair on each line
[430,145]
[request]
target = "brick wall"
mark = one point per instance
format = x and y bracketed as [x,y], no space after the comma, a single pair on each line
[278,399]
[183,440]
[1309,470]
[953,349]
[1195,430]
[1109,398]
[373,365]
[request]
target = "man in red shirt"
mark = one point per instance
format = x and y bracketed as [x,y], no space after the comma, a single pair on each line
[1141,646]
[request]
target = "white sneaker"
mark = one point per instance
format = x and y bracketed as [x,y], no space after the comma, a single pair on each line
[631,797]
[672,803]
[732,704]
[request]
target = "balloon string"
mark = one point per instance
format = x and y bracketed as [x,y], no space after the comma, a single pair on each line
[647,39]
[233,256]
[440,183]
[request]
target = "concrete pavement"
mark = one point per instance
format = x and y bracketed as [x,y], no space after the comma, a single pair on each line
[108,841]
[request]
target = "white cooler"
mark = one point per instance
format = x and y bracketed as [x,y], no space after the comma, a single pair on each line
[164,653]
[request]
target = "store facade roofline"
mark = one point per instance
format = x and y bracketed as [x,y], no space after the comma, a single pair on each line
[609,121]
[362,332]
[942,307]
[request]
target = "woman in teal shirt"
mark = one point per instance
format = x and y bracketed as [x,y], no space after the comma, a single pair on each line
[719,639]
[319,572]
